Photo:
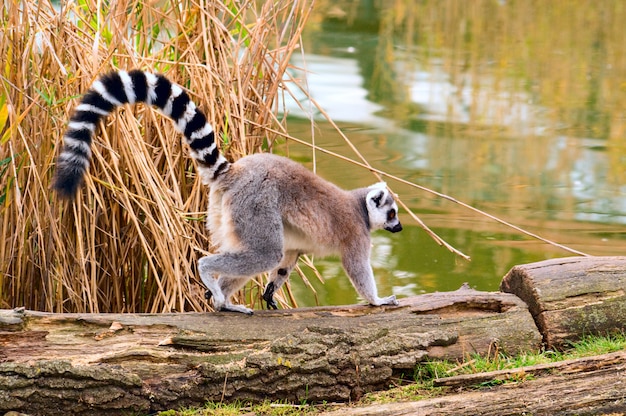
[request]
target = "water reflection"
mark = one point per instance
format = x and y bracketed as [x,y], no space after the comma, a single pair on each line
[514,107]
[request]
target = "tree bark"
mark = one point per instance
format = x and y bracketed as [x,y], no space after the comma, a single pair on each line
[581,387]
[572,297]
[113,363]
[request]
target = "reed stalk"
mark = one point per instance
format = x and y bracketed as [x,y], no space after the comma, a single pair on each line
[130,241]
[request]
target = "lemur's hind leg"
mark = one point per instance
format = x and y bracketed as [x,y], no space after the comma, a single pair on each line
[229,286]
[279,276]
[234,270]
[255,223]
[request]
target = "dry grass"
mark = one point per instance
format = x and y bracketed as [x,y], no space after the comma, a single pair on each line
[130,241]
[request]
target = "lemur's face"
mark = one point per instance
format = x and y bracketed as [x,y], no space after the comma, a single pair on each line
[382,209]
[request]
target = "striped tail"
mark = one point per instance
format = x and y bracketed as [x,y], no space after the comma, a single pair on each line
[118,88]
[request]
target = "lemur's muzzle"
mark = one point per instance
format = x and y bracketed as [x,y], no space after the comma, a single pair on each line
[395,228]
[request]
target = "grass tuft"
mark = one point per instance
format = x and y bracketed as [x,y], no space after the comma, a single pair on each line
[422,385]
[474,363]
[239,408]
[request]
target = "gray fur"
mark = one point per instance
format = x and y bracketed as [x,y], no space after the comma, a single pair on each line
[264,210]
[268,210]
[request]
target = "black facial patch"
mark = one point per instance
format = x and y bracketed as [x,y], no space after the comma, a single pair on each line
[391,215]
[282,272]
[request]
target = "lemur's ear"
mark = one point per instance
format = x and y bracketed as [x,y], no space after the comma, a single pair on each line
[376,196]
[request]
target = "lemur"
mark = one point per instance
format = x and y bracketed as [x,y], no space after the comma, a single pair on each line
[264,210]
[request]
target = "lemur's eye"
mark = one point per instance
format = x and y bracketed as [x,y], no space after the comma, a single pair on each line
[391,215]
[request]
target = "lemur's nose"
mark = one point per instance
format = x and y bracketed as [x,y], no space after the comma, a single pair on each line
[396,228]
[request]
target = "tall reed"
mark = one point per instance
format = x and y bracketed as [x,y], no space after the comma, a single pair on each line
[130,241]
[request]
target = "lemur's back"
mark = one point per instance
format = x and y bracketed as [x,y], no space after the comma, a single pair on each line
[308,205]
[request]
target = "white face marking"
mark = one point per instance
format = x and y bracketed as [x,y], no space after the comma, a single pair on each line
[382,209]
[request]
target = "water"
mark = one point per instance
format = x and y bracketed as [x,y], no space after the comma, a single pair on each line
[520,117]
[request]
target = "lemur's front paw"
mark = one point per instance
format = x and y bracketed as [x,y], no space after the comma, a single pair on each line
[268,296]
[390,300]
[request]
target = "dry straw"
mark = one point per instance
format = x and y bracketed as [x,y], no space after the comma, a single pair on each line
[131,240]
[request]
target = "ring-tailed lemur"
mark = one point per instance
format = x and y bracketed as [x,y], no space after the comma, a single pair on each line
[264,210]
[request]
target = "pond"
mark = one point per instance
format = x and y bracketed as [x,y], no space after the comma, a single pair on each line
[515,108]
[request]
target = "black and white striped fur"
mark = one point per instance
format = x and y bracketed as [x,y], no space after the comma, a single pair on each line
[264,210]
[118,88]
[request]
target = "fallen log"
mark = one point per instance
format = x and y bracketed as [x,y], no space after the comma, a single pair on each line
[572,297]
[590,391]
[111,363]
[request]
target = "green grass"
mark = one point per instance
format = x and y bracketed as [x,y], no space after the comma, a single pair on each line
[425,373]
[420,385]
[591,345]
[239,408]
